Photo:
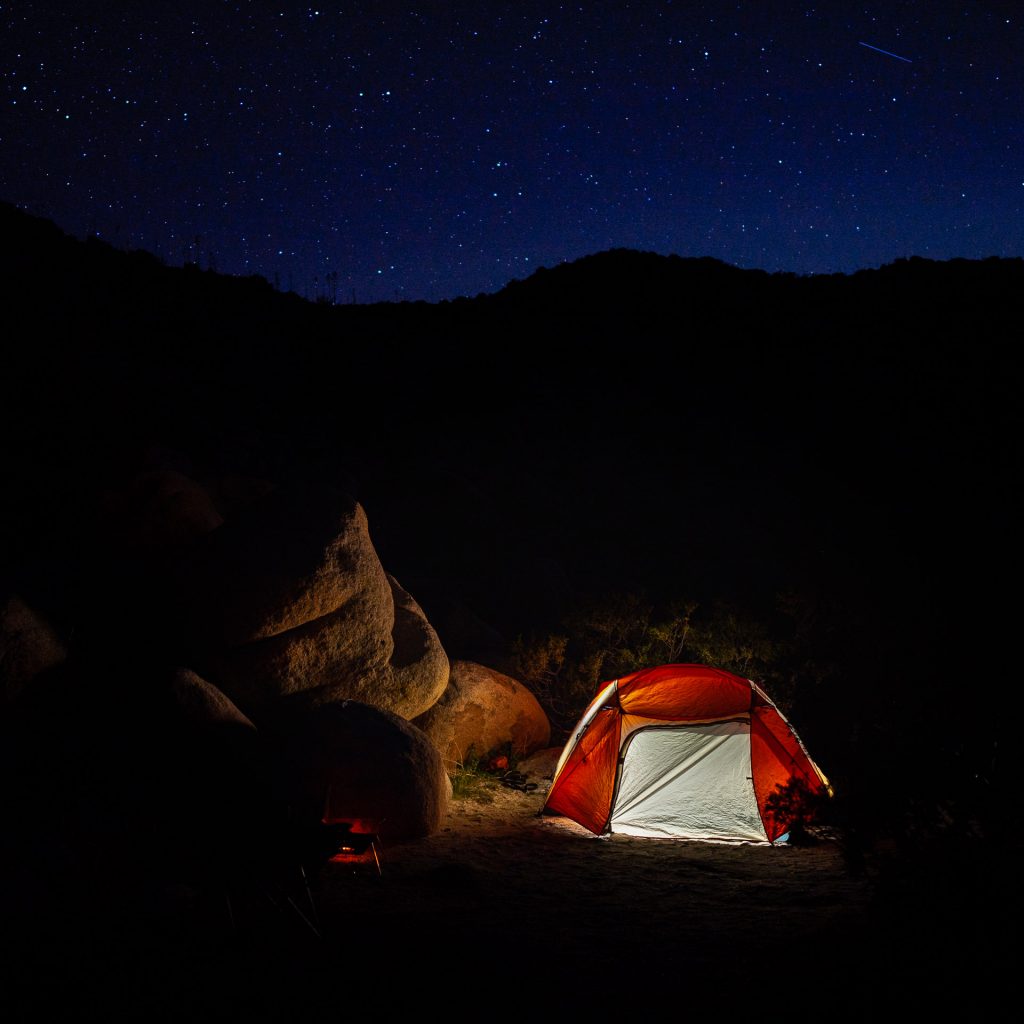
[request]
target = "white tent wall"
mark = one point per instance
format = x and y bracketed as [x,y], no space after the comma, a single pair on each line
[687,782]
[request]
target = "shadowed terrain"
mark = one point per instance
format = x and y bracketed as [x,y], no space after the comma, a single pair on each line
[625,424]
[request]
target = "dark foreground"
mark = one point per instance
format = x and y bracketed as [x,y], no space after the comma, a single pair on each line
[506,912]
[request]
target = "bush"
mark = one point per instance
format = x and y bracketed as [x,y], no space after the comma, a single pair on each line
[622,634]
[476,777]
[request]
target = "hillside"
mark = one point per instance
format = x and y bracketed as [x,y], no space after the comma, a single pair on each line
[628,423]
[821,469]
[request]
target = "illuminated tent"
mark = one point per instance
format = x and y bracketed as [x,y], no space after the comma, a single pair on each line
[681,752]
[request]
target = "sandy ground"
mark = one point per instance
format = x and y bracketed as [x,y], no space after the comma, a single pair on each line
[505,912]
[540,904]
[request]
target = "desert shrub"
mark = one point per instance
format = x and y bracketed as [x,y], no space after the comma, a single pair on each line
[610,638]
[469,779]
[477,776]
[731,639]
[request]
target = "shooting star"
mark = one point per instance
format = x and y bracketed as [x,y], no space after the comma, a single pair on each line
[878,49]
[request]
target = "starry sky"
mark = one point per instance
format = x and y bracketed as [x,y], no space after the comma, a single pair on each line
[384,151]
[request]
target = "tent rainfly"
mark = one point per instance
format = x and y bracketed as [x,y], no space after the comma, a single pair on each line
[681,752]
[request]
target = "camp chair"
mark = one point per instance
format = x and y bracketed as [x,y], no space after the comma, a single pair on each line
[353,840]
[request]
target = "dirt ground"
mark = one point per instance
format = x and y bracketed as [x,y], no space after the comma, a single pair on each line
[505,912]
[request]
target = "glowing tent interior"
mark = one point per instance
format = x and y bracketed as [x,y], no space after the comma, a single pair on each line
[681,752]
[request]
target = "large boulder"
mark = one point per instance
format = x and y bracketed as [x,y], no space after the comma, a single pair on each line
[120,780]
[28,646]
[353,761]
[418,668]
[293,556]
[158,510]
[289,599]
[386,655]
[484,710]
[213,787]
[540,766]
[204,707]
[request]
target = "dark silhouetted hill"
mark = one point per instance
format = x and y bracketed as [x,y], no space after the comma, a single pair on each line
[786,403]
[627,421]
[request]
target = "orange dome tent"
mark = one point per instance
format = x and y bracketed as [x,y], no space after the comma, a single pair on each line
[681,752]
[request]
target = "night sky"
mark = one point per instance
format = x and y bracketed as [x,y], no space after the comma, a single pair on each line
[384,151]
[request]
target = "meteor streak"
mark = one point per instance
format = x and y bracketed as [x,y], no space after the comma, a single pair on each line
[878,49]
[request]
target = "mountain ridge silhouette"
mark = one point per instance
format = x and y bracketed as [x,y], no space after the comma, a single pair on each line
[617,275]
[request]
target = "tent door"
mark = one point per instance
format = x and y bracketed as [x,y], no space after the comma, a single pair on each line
[688,782]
